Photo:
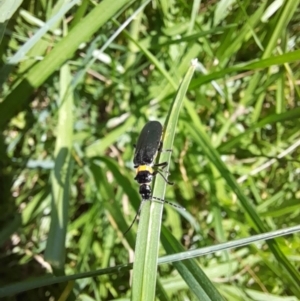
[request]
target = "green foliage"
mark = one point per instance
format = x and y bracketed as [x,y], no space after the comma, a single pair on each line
[77,86]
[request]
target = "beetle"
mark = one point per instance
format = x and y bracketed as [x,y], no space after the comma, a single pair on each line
[148,144]
[146,148]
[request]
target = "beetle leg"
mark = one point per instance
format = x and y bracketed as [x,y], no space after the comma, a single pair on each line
[159,172]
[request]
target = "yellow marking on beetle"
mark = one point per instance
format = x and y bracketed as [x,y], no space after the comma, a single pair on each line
[144,168]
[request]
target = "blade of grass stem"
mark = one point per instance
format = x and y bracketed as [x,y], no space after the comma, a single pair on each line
[60,176]
[145,264]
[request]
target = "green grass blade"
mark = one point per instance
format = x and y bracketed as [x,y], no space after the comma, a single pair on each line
[273,118]
[60,176]
[49,280]
[145,264]
[228,245]
[288,57]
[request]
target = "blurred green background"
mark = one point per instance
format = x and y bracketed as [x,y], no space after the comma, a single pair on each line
[77,87]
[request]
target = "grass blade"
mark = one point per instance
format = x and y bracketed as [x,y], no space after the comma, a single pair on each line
[60,176]
[145,264]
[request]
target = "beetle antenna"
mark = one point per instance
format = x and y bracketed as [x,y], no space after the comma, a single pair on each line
[155,198]
[137,214]
[169,203]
